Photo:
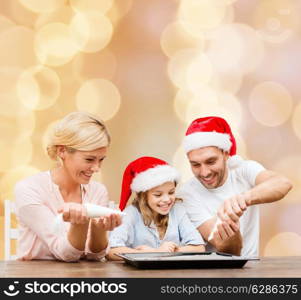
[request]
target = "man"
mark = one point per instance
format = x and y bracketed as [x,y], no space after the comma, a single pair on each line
[221,199]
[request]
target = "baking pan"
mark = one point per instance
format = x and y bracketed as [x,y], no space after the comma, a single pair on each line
[180,260]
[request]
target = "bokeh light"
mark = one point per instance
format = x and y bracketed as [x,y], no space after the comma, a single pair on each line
[101,6]
[175,37]
[181,163]
[54,45]
[5,23]
[284,242]
[99,96]
[296,121]
[44,6]
[270,103]
[38,88]
[91,31]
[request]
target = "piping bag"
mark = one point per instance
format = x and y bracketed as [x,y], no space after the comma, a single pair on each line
[93,211]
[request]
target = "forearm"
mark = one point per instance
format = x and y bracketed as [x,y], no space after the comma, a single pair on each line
[273,189]
[191,248]
[77,235]
[98,238]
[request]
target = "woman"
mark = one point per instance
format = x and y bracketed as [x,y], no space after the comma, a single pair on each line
[154,222]
[79,143]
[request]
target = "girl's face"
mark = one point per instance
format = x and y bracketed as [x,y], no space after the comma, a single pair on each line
[80,165]
[161,198]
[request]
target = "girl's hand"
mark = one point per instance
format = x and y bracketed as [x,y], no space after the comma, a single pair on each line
[108,223]
[75,213]
[145,248]
[168,247]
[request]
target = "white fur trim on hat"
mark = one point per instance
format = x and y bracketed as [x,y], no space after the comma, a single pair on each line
[153,177]
[206,139]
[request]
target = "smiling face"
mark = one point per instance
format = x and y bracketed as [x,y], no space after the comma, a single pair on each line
[161,198]
[80,165]
[208,165]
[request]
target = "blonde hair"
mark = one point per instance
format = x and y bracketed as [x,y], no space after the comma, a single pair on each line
[79,131]
[141,203]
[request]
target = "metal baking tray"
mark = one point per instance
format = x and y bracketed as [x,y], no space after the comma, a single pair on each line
[180,260]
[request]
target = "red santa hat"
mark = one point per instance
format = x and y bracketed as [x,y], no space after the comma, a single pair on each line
[144,174]
[212,131]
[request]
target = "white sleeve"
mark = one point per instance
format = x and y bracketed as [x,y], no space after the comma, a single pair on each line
[250,170]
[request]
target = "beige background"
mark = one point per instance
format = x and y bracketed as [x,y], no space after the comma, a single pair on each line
[148,68]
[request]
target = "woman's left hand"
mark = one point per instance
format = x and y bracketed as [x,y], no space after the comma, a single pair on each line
[108,223]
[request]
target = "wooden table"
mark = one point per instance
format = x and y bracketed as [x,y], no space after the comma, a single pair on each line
[280,267]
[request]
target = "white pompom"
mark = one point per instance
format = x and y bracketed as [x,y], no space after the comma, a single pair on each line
[235,161]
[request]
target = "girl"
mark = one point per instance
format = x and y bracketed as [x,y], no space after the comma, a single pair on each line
[79,143]
[154,222]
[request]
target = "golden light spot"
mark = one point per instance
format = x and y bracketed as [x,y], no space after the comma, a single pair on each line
[179,64]
[270,103]
[99,96]
[276,20]
[199,72]
[38,88]
[181,163]
[44,6]
[175,37]
[200,15]
[9,102]
[287,167]
[181,103]
[11,177]
[227,81]
[296,121]
[83,66]
[119,10]
[12,40]
[241,146]
[284,244]
[54,45]
[5,24]
[235,47]
[100,6]
[91,31]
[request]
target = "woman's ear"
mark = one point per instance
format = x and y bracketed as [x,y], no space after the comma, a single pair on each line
[61,151]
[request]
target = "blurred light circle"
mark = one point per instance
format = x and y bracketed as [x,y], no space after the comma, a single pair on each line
[235,47]
[290,217]
[181,103]
[284,244]
[99,96]
[227,81]
[16,45]
[91,31]
[11,177]
[296,121]
[175,37]
[9,101]
[181,163]
[199,72]
[38,88]
[289,167]
[179,64]
[200,15]
[276,20]
[101,6]
[83,65]
[119,10]
[39,6]
[54,45]
[270,103]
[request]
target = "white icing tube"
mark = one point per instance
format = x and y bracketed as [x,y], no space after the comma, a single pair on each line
[214,229]
[93,211]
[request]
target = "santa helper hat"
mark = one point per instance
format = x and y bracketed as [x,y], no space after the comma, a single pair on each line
[212,131]
[144,174]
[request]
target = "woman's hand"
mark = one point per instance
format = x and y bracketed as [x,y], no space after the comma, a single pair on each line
[75,213]
[168,247]
[108,223]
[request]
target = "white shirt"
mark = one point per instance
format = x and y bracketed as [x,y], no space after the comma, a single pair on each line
[202,204]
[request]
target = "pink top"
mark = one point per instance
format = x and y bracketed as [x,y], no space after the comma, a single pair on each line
[37,202]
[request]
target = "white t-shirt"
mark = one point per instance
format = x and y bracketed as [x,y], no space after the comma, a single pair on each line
[202,204]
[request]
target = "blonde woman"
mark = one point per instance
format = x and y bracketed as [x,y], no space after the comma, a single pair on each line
[79,143]
[154,222]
